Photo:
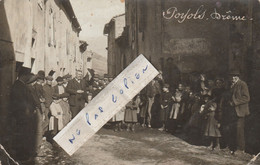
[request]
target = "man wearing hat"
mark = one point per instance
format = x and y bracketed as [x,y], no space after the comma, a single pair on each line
[22,114]
[239,102]
[48,91]
[76,89]
[66,79]
[39,84]
[36,105]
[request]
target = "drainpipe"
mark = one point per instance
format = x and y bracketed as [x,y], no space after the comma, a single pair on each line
[44,35]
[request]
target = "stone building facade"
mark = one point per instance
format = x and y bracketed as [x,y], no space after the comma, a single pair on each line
[116,50]
[184,38]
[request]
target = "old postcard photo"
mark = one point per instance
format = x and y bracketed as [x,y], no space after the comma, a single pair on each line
[127,82]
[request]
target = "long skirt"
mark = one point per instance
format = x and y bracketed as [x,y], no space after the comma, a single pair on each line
[57,112]
[211,127]
[130,115]
[66,112]
[119,116]
[164,114]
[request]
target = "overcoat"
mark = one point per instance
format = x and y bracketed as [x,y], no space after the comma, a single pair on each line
[240,98]
[76,99]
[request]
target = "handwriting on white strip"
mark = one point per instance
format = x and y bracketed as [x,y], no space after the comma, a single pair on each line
[106,104]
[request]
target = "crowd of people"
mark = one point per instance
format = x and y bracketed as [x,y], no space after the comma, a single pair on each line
[208,112]
[41,106]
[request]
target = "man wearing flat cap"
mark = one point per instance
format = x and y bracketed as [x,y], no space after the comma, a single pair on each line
[48,91]
[66,79]
[38,86]
[239,102]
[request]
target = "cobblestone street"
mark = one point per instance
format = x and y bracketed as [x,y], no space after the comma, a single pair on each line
[145,146]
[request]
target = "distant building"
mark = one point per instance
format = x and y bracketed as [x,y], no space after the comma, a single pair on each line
[116,45]
[86,57]
[99,63]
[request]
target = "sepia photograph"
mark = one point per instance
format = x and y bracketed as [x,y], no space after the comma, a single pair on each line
[130,82]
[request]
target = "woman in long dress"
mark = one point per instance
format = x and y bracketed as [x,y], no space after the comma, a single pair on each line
[61,98]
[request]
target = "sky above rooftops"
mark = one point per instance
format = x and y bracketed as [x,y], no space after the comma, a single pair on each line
[92,16]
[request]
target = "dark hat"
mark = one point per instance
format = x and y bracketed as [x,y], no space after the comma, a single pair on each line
[78,70]
[234,72]
[51,73]
[206,96]
[219,78]
[67,76]
[41,75]
[49,78]
[32,78]
[166,86]
[197,94]
[96,76]
[91,71]
[59,79]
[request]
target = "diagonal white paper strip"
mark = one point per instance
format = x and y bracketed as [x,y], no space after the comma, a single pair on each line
[106,104]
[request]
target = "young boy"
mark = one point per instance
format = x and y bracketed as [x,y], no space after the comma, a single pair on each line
[165,106]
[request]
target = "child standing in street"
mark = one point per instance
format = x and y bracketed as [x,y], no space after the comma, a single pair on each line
[212,126]
[175,111]
[165,106]
[118,120]
[131,115]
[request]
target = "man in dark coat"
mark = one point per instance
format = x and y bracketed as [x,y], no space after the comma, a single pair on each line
[22,112]
[239,102]
[76,88]
[38,86]
[48,92]
[38,118]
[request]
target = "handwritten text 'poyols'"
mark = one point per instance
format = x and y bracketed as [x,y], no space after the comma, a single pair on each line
[106,104]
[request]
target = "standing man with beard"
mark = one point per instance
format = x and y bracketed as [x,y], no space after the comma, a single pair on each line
[239,103]
[76,88]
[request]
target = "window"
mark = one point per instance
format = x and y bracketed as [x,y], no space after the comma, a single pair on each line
[34,36]
[40,4]
[51,32]
[67,42]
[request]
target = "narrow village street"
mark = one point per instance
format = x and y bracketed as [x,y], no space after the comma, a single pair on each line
[144,146]
[80,67]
